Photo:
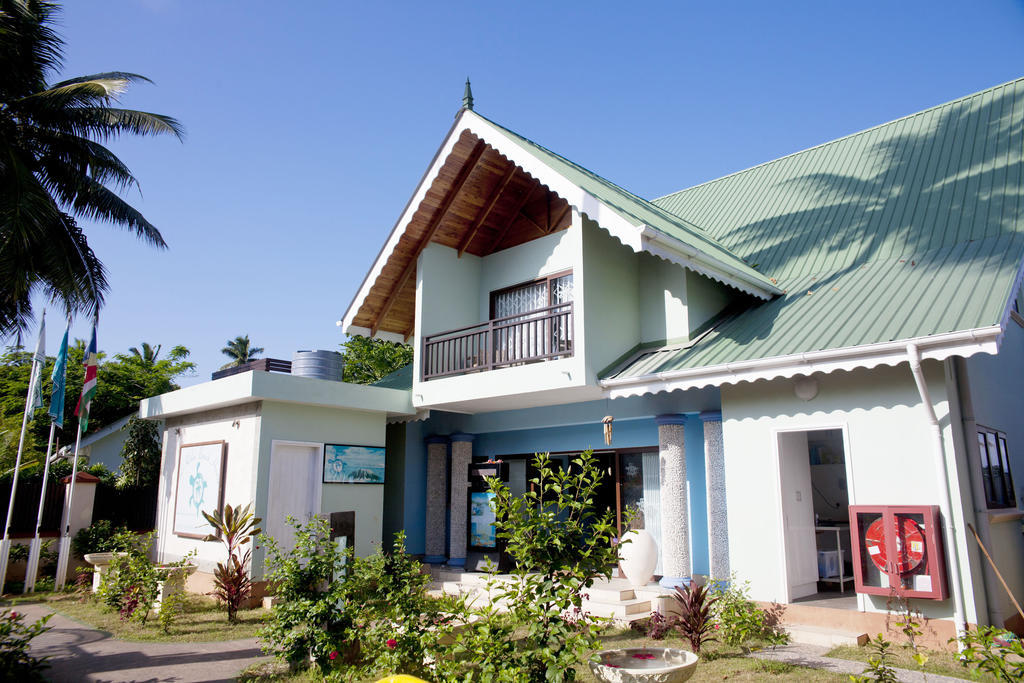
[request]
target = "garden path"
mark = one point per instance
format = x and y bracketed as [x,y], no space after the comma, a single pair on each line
[812,656]
[80,653]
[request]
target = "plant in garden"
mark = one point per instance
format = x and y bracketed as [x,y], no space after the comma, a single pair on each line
[171,607]
[103,537]
[560,542]
[355,616]
[741,622]
[994,651]
[130,583]
[235,527]
[16,664]
[695,622]
[657,627]
[879,664]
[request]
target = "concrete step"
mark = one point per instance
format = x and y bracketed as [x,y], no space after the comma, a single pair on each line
[826,637]
[635,608]
[608,594]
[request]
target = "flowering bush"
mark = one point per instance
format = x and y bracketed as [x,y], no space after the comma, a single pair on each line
[356,616]
[16,664]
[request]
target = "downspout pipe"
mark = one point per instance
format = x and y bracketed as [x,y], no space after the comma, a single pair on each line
[952,550]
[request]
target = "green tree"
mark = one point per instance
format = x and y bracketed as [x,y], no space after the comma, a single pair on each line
[240,351]
[148,354]
[122,382]
[370,360]
[140,455]
[54,169]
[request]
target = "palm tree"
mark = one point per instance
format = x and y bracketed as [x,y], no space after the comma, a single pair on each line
[148,355]
[53,169]
[239,351]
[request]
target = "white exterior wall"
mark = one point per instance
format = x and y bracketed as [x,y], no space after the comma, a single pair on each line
[705,299]
[611,298]
[286,422]
[998,407]
[662,299]
[889,455]
[239,480]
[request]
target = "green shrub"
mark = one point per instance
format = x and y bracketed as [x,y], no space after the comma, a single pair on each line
[356,616]
[994,651]
[235,527]
[130,584]
[741,623]
[879,664]
[102,537]
[560,543]
[16,664]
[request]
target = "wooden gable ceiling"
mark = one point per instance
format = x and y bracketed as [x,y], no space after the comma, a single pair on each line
[479,203]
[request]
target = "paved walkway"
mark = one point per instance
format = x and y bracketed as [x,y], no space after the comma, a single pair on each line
[812,656]
[80,653]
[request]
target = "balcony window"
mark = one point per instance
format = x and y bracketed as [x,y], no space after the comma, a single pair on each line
[529,323]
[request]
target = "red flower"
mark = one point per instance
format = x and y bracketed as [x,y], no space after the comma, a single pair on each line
[718,626]
[14,615]
[392,643]
[333,655]
[643,655]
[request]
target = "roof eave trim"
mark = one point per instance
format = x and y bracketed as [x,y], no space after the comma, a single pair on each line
[937,347]
[659,244]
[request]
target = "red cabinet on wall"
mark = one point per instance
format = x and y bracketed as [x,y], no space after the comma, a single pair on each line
[898,549]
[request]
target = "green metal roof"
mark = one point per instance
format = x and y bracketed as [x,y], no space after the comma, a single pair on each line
[909,229]
[637,211]
[399,379]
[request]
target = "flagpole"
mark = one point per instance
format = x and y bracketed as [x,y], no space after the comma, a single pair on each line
[30,406]
[34,548]
[65,538]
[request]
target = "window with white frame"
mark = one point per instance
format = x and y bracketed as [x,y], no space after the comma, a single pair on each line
[995,469]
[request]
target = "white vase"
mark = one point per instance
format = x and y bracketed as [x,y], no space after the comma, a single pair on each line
[638,557]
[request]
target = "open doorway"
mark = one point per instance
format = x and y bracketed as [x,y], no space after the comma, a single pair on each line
[815,509]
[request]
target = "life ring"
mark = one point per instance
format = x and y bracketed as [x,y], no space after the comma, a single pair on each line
[909,545]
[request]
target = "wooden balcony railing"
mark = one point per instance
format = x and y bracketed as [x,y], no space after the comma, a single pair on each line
[543,334]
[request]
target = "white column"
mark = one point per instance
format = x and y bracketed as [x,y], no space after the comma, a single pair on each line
[714,468]
[462,454]
[437,490]
[675,522]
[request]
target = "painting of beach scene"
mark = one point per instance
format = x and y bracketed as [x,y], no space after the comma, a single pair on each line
[353,464]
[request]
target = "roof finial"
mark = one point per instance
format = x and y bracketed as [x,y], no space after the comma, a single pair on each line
[467,96]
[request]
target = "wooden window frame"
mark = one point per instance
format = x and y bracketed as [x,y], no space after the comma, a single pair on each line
[546,279]
[1002,459]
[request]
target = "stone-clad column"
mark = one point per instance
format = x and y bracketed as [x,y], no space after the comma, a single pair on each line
[675,520]
[462,454]
[436,514]
[714,467]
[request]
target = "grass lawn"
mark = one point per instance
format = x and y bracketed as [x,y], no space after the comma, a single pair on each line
[717,663]
[203,619]
[939,662]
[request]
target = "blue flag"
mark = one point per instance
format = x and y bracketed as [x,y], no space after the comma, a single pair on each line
[60,371]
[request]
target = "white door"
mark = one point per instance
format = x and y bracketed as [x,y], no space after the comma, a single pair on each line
[294,490]
[798,515]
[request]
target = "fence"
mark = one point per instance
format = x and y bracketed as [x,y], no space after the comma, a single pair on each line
[133,508]
[26,506]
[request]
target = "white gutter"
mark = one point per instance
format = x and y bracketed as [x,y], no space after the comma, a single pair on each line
[952,550]
[937,347]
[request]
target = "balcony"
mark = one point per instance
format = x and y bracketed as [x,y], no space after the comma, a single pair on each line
[540,335]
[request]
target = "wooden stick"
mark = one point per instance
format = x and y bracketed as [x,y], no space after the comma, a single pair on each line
[996,570]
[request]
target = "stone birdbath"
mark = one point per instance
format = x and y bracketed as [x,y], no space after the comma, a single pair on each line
[101,563]
[644,665]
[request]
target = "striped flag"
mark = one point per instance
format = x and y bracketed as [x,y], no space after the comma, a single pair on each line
[89,384]
[38,363]
[60,372]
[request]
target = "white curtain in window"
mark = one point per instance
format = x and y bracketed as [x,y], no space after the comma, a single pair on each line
[652,501]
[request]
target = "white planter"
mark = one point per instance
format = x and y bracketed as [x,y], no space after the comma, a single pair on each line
[172,583]
[638,557]
[644,665]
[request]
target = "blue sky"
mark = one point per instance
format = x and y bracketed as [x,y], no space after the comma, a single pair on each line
[309,124]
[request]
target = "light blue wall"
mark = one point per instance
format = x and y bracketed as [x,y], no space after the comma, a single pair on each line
[531,431]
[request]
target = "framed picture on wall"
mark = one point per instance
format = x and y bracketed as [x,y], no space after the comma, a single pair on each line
[347,464]
[200,487]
